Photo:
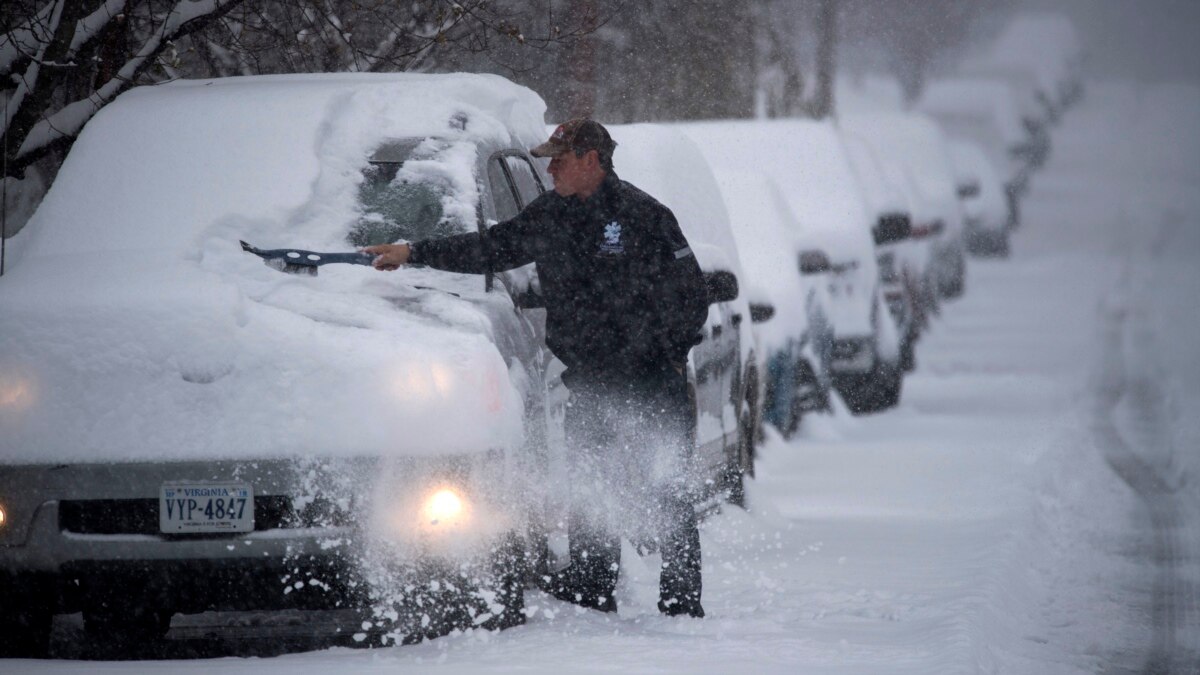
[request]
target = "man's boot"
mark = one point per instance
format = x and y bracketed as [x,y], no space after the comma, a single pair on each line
[591,578]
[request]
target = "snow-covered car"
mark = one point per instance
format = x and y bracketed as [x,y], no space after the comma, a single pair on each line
[1022,85]
[902,263]
[795,337]
[1046,46]
[808,162]
[185,429]
[983,111]
[723,368]
[988,218]
[915,142]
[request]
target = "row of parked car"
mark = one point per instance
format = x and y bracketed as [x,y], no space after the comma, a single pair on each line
[185,430]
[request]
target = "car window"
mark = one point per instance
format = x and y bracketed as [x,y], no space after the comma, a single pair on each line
[529,186]
[403,195]
[502,191]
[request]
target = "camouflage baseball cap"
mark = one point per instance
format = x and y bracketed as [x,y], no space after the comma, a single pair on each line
[581,135]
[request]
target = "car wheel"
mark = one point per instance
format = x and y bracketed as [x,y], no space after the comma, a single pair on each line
[876,391]
[735,473]
[25,635]
[954,287]
[810,395]
[794,416]
[908,356]
[1002,246]
[891,384]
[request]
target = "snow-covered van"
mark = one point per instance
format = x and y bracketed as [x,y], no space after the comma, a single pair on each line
[808,162]
[185,429]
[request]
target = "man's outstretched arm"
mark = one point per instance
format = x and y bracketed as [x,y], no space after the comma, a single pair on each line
[506,246]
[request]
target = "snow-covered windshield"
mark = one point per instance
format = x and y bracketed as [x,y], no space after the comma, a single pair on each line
[403,193]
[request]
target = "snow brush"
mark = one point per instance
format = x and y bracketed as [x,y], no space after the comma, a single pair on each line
[296,261]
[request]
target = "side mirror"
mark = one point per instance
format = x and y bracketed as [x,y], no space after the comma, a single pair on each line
[760,313]
[968,190]
[722,286]
[892,227]
[814,262]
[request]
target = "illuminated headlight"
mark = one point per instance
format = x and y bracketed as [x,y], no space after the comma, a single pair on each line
[444,509]
[16,393]
[448,505]
[3,517]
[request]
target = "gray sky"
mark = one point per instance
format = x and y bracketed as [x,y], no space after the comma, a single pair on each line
[1151,40]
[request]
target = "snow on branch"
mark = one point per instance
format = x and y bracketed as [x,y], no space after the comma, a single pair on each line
[28,80]
[186,17]
[28,38]
[91,24]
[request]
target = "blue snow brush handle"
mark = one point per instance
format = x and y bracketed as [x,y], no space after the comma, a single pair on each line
[296,261]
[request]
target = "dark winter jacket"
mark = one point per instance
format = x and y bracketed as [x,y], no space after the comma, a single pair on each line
[624,295]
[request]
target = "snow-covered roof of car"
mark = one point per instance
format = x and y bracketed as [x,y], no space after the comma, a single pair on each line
[866,92]
[139,329]
[882,193]
[177,160]
[767,243]
[1044,42]
[916,141]
[665,164]
[978,98]
[807,161]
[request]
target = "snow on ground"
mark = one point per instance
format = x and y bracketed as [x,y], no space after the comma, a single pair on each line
[980,526]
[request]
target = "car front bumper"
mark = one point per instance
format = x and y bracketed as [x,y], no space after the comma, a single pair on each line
[84,535]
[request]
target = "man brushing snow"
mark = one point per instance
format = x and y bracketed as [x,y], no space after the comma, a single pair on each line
[625,301]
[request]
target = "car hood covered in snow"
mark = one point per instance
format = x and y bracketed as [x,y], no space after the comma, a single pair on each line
[135,328]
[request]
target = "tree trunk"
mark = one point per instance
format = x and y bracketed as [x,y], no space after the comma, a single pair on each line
[582,65]
[822,105]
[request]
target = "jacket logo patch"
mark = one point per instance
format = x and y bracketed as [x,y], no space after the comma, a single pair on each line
[612,239]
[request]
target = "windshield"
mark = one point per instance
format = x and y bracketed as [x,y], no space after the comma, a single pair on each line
[405,192]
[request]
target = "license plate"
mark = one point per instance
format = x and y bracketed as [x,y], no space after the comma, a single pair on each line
[186,508]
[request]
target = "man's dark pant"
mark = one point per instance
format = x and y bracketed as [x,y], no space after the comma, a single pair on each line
[628,443]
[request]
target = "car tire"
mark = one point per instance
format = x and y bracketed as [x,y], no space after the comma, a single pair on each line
[908,356]
[810,396]
[873,392]
[891,385]
[955,286]
[25,635]
[1002,246]
[742,465]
